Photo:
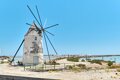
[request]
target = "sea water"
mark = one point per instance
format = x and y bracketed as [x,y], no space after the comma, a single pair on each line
[109,58]
[46,58]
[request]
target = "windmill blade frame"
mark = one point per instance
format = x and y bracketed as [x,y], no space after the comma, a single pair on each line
[51,26]
[29,24]
[40,30]
[50,33]
[51,43]
[17,50]
[46,46]
[34,17]
[39,15]
[44,31]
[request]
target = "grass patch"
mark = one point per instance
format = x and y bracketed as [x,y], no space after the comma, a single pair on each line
[76,68]
[53,62]
[110,63]
[73,68]
[82,60]
[81,66]
[118,70]
[73,59]
[60,58]
[96,61]
[114,66]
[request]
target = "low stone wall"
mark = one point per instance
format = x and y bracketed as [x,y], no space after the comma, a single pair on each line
[6,77]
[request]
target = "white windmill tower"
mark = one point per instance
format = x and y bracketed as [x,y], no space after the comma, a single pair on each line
[33,51]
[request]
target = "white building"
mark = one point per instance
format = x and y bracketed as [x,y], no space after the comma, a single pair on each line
[33,51]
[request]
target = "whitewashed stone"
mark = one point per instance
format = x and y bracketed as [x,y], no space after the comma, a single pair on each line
[33,52]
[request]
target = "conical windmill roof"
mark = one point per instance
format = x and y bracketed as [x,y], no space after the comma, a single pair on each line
[33,27]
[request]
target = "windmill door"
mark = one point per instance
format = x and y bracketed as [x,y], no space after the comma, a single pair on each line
[35,60]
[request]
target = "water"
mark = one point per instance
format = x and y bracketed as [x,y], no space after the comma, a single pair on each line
[46,58]
[111,58]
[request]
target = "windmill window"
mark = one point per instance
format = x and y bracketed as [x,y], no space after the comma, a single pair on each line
[35,38]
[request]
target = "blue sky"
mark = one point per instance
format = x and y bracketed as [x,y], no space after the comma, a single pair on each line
[85,26]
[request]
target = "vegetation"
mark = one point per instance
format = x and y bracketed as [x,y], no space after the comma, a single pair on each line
[82,60]
[114,66]
[73,68]
[53,62]
[81,66]
[96,61]
[118,70]
[20,63]
[60,58]
[76,68]
[88,60]
[1,62]
[73,59]
[110,63]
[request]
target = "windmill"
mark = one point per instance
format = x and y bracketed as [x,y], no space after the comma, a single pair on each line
[33,51]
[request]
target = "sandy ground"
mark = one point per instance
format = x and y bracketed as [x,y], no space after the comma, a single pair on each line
[88,64]
[104,74]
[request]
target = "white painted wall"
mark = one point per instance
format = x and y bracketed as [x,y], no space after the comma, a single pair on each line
[30,44]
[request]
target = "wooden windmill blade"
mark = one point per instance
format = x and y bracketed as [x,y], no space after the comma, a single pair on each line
[34,16]
[50,43]
[44,33]
[51,26]
[39,16]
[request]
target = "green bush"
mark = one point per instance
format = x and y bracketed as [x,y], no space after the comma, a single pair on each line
[82,60]
[88,60]
[81,66]
[52,62]
[73,68]
[69,67]
[114,66]
[110,63]
[73,59]
[96,61]
[60,58]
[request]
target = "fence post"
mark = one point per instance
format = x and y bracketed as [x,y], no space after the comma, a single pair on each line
[74,64]
[64,65]
[35,67]
[54,66]
[24,67]
[45,66]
